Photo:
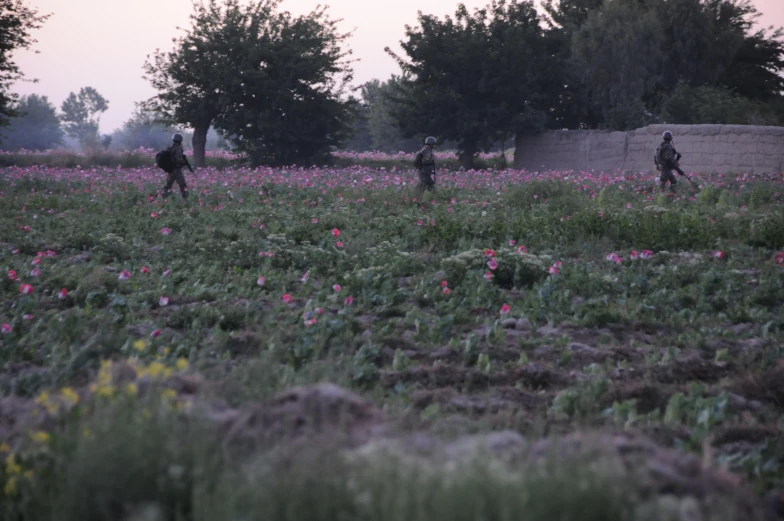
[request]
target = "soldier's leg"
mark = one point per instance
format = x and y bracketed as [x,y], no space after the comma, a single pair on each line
[183,186]
[673,182]
[169,183]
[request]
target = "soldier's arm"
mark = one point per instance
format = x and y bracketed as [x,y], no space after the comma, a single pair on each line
[179,157]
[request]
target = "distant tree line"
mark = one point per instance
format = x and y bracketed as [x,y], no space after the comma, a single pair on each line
[275,86]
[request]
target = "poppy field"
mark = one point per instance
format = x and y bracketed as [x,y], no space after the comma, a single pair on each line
[330,343]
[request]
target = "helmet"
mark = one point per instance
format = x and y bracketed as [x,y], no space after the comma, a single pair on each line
[430,141]
[177,138]
[667,136]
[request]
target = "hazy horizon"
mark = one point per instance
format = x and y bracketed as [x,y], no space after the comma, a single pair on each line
[101,45]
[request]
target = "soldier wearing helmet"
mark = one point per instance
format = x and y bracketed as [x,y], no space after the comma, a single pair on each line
[179,160]
[426,163]
[666,159]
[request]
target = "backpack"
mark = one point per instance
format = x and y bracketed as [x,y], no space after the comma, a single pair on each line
[164,160]
[418,160]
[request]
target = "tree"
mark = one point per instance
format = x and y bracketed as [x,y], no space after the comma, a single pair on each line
[385,134]
[17,21]
[36,126]
[713,105]
[144,130]
[477,78]
[270,82]
[291,105]
[82,116]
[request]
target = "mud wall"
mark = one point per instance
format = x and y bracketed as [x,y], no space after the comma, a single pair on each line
[705,148]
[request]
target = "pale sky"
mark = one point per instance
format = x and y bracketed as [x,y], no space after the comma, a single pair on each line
[103,43]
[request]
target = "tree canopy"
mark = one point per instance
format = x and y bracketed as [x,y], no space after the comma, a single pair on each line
[17,22]
[81,115]
[272,83]
[36,125]
[475,78]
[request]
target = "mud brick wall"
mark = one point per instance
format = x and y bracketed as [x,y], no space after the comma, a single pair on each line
[705,148]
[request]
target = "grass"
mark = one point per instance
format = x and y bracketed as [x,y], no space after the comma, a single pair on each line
[493,304]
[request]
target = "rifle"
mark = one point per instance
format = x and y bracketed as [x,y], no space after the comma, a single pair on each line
[188,163]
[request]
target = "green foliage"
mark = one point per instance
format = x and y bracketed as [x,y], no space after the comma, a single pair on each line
[474,79]
[81,116]
[712,105]
[224,68]
[17,22]
[36,127]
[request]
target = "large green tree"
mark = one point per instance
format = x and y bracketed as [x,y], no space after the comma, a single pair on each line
[17,21]
[81,115]
[35,126]
[475,78]
[271,82]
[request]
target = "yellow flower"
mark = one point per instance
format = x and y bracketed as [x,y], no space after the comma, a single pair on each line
[166,351]
[106,390]
[156,369]
[70,395]
[168,372]
[182,364]
[11,466]
[168,394]
[10,487]
[4,447]
[140,345]
[41,437]
[42,398]
[132,389]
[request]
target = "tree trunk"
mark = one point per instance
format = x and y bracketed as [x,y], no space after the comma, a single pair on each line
[467,155]
[199,142]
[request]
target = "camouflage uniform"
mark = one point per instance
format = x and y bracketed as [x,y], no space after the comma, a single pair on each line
[666,158]
[428,168]
[176,175]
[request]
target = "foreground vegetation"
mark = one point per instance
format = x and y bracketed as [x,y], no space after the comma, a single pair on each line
[627,343]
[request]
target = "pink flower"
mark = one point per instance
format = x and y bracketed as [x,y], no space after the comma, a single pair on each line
[337,288]
[163,301]
[601,214]
[15,252]
[167,273]
[311,322]
[446,291]
[305,277]
[512,242]
[339,244]
[614,258]
[165,231]
[26,289]
[11,274]
[553,270]
[492,264]
[505,309]
[287,299]
[444,284]
[336,233]
[27,229]
[261,281]
[646,254]
[349,301]
[489,253]
[125,275]
[522,248]
[7,328]
[718,254]
[488,275]
[419,223]
[635,255]
[628,205]
[28,317]
[36,261]
[35,273]
[145,269]
[63,294]
[314,221]
[156,333]
[154,215]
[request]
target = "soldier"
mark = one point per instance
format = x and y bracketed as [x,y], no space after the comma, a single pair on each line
[426,163]
[178,160]
[666,159]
